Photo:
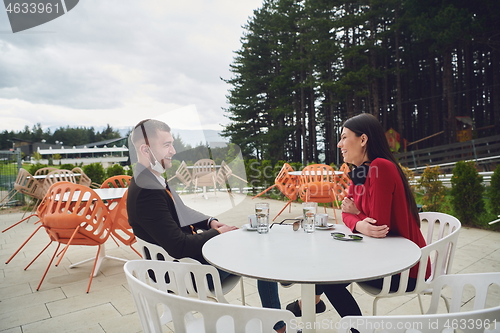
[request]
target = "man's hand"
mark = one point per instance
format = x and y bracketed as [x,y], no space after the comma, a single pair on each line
[368,227]
[225,228]
[214,224]
[348,206]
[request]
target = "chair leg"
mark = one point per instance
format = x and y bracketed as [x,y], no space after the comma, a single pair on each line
[32,261]
[420,304]
[287,204]
[48,267]
[267,189]
[22,245]
[67,245]
[374,310]
[243,302]
[94,268]
[19,222]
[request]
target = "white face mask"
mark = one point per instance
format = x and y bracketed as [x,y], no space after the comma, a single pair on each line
[157,166]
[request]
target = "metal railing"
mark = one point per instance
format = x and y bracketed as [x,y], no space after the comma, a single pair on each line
[482,151]
[10,163]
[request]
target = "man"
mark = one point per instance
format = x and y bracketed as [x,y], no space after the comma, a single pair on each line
[157,215]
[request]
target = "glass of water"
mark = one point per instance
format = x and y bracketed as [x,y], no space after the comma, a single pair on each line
[262,213]
[309,213]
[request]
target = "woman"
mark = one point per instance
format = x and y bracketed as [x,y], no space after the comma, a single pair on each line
[379,202]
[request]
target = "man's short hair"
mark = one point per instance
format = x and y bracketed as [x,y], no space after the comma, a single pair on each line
[147,130]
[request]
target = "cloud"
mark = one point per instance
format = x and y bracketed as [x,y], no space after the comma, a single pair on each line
[115,61]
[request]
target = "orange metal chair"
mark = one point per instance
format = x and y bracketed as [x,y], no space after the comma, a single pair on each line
[341,188]
[117,181]
[120,228]
[317,184]
[120,181]
[75,215]
[286,184]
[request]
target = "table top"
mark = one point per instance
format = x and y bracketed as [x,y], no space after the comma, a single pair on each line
[63,175]
[300,173]
[297,257]
[103,193]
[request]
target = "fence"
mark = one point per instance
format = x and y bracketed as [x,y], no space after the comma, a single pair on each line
[485,152]
[10,162]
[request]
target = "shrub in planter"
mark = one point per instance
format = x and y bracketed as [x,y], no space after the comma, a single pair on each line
[467,193]
[494,192]
[96,172]
[434,190]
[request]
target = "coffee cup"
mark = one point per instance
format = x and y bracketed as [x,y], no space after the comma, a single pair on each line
[321,220]
[252,220]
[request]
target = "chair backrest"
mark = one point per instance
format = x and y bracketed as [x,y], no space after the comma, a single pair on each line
[317,173]
[317,181]
[439,250]
[215,317]
[44,171]
[120,228]
[156,252]
[481,283]
[184,174]
[56,176]
[26,184]
[342,183]
[203,166]
[439,226]
[223,174]
[71,206]
[81,177]
[286,183]
[477,320]
[120,181]
[182,278]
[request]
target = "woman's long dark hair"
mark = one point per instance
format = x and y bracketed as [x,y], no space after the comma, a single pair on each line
[378,146]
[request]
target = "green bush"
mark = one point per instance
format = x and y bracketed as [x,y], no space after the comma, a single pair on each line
[433,188]
[96,172]
[67,166]
[267,175]
[115,170]
[494,192]
[467,193]
[34,167]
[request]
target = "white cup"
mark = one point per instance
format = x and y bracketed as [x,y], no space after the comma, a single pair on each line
[321,220]
[252,220]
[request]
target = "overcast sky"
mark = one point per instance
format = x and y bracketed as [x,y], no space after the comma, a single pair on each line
[121,61]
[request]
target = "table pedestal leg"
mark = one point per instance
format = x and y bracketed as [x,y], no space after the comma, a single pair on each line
[100,259]
[308,292]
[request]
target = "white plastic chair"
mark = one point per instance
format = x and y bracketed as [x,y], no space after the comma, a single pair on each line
[156,252]
[440,250]
[476,320]
[210,317]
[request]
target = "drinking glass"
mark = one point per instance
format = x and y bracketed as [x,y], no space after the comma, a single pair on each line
[309,212]
[262,213]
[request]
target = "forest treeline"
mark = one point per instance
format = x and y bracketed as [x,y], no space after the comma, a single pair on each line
[305,66]
[67,136]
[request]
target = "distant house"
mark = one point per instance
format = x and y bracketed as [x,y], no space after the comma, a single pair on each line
[106,152]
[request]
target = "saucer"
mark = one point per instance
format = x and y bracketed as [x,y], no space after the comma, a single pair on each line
[328,227]
[248,227]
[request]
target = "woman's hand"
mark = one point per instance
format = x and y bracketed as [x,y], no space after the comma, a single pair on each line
[348,206]
[367,227]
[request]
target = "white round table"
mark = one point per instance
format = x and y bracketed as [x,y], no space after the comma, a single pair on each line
[291,256]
